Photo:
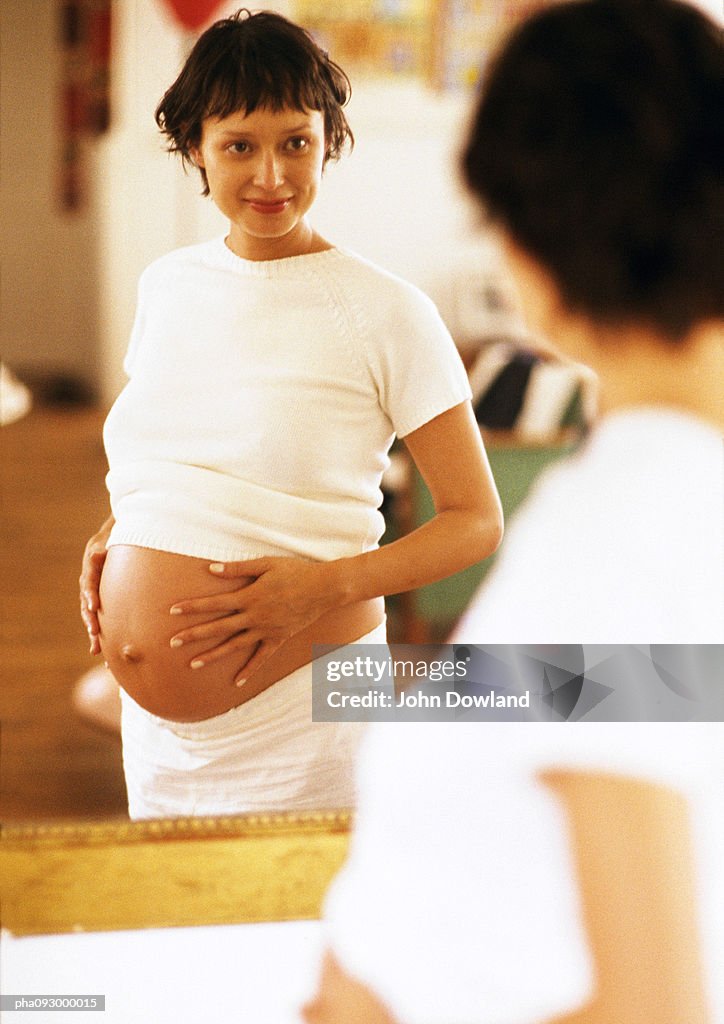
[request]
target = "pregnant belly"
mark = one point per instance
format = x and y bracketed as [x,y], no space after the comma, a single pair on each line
[139,586]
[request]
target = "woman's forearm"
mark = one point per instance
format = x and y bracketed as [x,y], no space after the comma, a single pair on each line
[466,528]
[453,540]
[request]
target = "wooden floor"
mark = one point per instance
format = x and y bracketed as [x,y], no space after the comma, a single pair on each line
[52,764]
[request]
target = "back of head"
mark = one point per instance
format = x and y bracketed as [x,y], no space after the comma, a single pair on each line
[598,144]
[253,60]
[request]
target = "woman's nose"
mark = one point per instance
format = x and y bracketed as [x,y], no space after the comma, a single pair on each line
[269,172]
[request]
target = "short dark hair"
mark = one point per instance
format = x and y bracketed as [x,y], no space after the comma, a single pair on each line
[249,61]
[598,143]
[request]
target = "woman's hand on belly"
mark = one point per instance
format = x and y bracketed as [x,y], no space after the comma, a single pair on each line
[140,585]
[94,558]
[285,596]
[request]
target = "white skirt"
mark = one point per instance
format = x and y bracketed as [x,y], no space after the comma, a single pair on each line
[264,755]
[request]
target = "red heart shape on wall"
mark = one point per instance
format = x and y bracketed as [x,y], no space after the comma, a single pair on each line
[192,14]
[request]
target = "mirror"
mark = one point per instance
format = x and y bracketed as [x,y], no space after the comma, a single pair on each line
[69,299]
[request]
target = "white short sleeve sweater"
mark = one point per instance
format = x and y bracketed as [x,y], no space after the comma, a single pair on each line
[263,399]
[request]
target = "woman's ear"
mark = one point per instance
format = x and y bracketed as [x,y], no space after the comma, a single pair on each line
[195,156]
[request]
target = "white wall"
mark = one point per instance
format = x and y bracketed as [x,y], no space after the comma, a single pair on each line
[140,194]
[48,277]
[147,204]
[397,197]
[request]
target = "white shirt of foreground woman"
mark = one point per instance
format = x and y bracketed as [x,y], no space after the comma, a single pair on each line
[460,900]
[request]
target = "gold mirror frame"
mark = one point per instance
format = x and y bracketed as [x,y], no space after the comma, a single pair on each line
[152,874]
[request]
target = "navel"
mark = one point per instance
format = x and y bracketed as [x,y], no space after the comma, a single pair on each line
[131,654]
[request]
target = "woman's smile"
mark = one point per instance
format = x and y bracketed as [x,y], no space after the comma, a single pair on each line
[267,206]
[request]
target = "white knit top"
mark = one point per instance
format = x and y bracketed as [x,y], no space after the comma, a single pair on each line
[263,399]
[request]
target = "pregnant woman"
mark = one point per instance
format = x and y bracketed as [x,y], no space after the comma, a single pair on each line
[269,373]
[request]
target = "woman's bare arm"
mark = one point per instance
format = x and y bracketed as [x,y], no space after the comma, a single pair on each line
[341,998]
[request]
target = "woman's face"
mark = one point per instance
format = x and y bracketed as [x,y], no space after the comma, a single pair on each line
[264,171]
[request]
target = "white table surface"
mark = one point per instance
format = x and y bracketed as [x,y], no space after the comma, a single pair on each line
[231,974]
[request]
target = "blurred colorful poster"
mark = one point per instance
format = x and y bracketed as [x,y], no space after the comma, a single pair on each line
[443,42]
[378,37]
[468,32]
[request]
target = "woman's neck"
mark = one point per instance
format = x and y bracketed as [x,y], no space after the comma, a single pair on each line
[302,241]
[637,367]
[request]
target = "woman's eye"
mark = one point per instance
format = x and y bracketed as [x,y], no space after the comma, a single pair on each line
[239,147]
[298,143]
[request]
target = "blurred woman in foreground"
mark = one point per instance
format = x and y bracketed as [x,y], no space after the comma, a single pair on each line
[541,872]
